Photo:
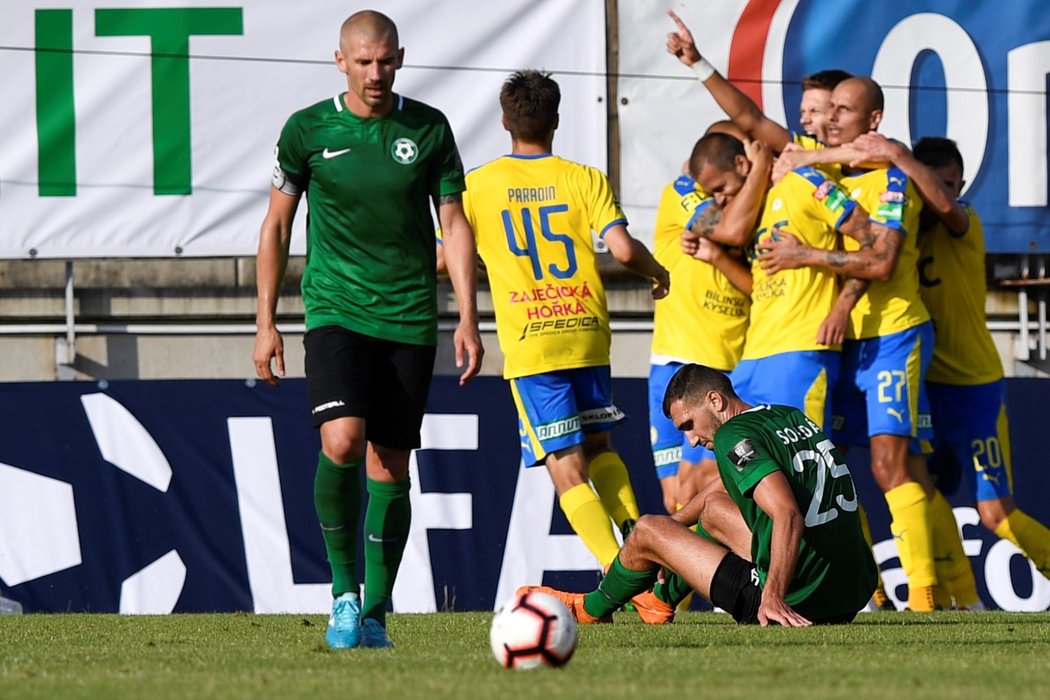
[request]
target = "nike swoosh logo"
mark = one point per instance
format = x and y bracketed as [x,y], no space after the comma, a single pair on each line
[380,540]
[332,154]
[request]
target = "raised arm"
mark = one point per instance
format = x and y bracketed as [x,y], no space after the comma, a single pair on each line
[740,108]
[461,263]
[271,262]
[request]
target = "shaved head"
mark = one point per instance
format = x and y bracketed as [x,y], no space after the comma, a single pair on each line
[856,108]
[367,25]
[866,90]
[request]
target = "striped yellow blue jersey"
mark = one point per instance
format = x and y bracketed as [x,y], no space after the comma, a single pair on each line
[892,305]
[533,217]
[953,287]
[704,318]
[788,307]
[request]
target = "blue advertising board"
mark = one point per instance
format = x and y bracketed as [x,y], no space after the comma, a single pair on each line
[188,496]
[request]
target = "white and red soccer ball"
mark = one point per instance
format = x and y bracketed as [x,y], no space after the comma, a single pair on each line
[531,630]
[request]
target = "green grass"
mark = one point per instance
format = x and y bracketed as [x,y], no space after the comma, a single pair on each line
[446,655]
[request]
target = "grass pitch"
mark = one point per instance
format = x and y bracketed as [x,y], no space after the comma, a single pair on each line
[446,655]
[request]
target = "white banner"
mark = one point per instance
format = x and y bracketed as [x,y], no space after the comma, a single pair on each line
[115,144]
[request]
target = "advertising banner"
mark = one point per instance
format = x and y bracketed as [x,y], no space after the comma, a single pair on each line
[975,72]
[147,129]
[191,496]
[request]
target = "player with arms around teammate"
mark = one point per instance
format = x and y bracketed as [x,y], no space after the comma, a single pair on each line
[808,563]
[965,379]
[371,163]
[882,397]
[703,320]
[790,357]
[533,213]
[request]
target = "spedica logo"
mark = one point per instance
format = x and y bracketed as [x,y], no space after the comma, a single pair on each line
[169,29]
[404,151]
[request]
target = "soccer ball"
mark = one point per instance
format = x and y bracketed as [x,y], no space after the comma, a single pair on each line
[532,630]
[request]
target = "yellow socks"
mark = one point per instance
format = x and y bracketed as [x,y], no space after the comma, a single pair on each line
[609,475]
[1030,536]
[952,564]
[590,521]
[909,509]
[882,601]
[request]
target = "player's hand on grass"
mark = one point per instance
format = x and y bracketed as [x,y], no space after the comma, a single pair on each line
[680,42]
[269,346]
[773,609]
[782,251]
[469,350]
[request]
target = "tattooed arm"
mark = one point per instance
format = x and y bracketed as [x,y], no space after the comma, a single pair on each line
[734,224]
[876,260]
[832,330]
[460,259]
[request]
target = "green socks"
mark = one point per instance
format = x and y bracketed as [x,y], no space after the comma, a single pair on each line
[387,522]
[617,588]
[337,499]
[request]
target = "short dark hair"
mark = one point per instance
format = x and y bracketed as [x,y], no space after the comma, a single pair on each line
[693,382]
[824,79]
[718,149]
[530,100]
[937,151]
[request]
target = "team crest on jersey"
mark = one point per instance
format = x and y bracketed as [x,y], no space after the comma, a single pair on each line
[742,453]
[404,151]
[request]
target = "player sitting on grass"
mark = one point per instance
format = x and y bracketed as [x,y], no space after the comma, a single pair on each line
[809,562]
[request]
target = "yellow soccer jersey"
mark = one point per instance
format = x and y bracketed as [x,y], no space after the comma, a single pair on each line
[533,217]
[704,318]
[809,142]
[788,307]
[953,287]
[892,305]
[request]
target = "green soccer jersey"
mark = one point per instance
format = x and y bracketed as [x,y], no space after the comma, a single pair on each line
[369,186]
[835,573]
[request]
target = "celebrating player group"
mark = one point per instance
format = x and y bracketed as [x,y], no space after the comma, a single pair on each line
[815,292]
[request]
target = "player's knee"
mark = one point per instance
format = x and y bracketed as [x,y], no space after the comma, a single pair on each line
[889,470]
[342,448]
[596,443]
[644,531]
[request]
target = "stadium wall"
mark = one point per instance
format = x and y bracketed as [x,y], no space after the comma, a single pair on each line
[184,496]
